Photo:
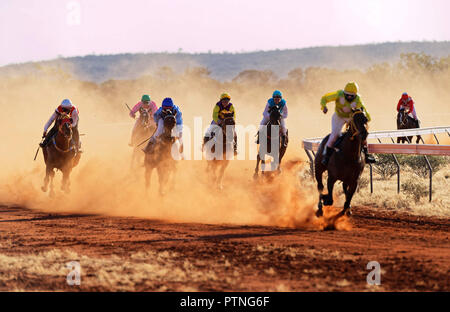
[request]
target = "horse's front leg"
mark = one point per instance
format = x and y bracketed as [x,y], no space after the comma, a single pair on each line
[65,186]
[328,199]
[46,179]
[318,174]
[348,197]
[223,166]
[52,176]
[148,174]
[163,178]
[258,159]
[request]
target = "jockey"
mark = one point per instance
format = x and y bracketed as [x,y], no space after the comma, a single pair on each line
[345,101]
[222,109]
[145,104]
[167,106]
[280,103]
[407,103]
[68,108]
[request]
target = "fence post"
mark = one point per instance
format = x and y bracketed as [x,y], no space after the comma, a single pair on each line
[311,161]
[431,176]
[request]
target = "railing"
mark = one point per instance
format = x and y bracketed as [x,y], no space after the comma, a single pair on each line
[312,145]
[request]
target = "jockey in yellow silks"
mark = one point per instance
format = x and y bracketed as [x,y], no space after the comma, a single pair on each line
[346,101]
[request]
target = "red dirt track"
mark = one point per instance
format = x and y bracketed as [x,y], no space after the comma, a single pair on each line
[414,252]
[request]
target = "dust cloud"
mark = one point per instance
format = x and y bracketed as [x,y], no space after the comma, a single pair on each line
[104,183]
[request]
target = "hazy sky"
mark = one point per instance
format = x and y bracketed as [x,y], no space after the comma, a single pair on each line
[44,29]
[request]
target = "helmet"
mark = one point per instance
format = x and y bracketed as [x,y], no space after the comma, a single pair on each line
[145,98]
[66,103]
[167,103]
[405,96]
[351,87]
[225,96]
[276,93]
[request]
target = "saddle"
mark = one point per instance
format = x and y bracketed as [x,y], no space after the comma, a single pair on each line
[338,142]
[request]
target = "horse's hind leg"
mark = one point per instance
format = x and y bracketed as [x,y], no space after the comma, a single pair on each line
[418,139]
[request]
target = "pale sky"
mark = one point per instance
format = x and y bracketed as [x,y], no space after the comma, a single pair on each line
[44,29]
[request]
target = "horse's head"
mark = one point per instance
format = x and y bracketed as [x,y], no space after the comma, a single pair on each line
[169,121]
[274,115]
[402,116]
[358,124]
[65,126]
[228,120]
[144,117]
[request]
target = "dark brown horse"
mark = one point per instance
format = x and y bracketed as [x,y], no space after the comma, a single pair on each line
[345,165]
[60,154]
[218,163]
[144,129]
[274,120]
[404,121]
[160,156]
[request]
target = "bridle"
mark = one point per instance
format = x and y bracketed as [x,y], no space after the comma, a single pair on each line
[352,126]
[64,120]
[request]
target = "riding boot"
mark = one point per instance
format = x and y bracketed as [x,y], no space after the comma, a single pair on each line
[149,148]
[369,158]
[326,157]
[76,139]
[205,140]
[48,137]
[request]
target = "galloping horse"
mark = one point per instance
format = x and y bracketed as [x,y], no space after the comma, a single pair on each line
[274,120]
[217,166]
[161,156]
[345,165]
[145,128]
[404,121]
[60,154]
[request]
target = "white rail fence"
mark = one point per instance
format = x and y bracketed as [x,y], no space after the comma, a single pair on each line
[312,145]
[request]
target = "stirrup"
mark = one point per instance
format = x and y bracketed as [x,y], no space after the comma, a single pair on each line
[370,159]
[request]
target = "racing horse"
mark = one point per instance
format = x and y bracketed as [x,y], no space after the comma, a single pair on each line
[218,163]
[145,128]
[60,154]
[160,156]
[404,121]
[345,165]
[274,120]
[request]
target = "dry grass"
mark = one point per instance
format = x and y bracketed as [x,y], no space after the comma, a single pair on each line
[144,270]
[385,194]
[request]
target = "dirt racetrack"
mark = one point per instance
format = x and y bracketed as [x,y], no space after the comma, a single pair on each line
[124,253]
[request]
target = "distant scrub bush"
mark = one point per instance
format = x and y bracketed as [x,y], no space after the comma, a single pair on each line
[419,165]
[385,166]
[415,189]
